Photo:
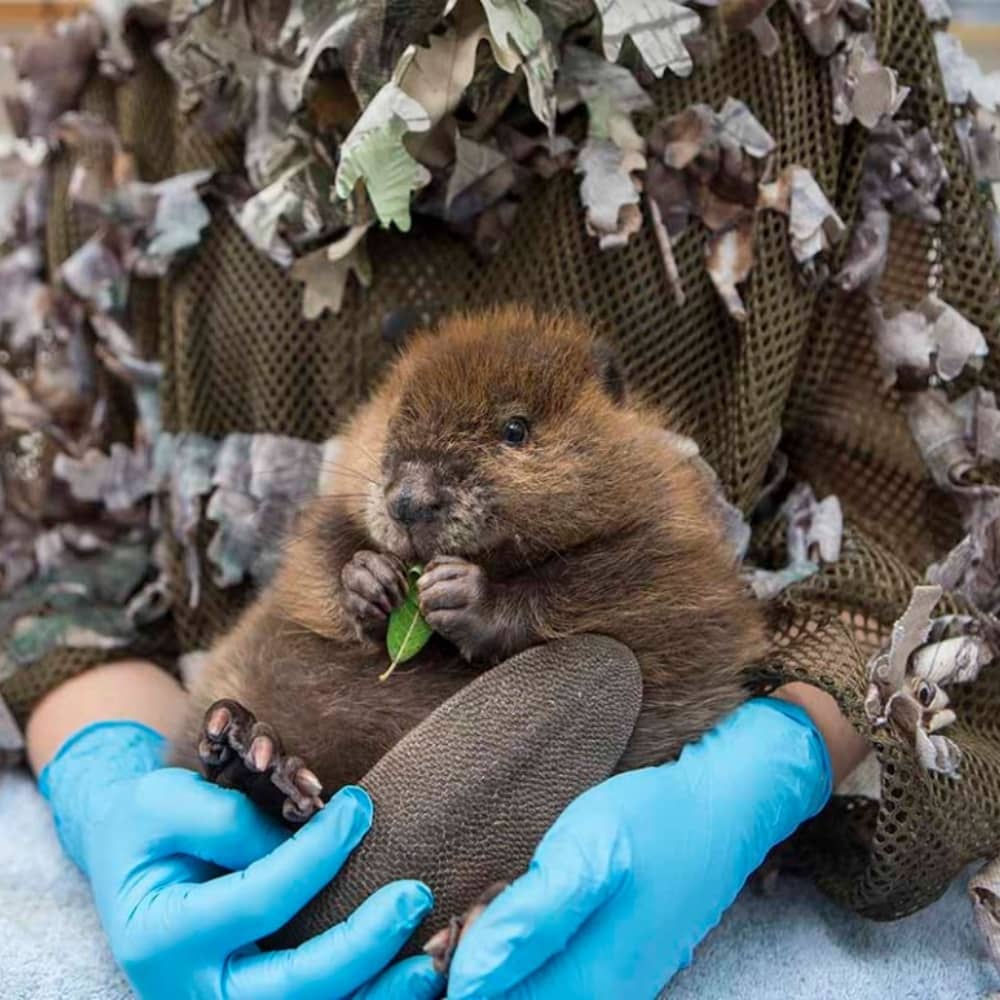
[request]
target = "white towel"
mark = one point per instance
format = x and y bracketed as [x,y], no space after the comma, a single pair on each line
[794,945]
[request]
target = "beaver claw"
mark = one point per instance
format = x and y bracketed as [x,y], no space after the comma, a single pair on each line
[441,947]
[373,585]
[237,751]
[454,600]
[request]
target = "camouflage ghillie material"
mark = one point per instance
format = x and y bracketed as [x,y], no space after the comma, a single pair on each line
[220,217]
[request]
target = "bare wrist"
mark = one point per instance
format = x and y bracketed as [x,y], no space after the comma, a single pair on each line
[846,746]
[131,689]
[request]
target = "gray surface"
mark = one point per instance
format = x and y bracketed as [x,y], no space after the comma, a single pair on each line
[797,945]
[793,946]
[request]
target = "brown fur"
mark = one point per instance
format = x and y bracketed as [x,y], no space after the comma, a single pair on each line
[595,525]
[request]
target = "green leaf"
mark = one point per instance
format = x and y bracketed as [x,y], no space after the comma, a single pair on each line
[408,632]
[374,152]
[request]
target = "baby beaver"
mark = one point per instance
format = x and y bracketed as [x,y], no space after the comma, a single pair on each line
[504,454]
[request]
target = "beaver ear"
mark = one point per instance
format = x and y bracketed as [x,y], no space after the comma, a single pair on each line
[609,370]
[399,325]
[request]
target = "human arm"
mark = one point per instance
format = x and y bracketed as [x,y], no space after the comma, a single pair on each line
[637,870]
[188,876]
[131,689]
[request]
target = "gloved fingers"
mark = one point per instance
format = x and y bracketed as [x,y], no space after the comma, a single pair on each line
[340,960]
[612,955]
[263,897]
[191,816]
[536,915]
[413,978]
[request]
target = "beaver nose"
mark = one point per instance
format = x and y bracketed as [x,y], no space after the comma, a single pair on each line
[409,509]
[414,497]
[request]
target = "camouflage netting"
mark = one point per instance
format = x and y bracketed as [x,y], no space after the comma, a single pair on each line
[864,385]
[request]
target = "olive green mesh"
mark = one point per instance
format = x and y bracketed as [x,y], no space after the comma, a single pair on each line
[239,357]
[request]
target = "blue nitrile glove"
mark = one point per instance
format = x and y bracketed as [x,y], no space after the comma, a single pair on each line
[156,844]
[637,870]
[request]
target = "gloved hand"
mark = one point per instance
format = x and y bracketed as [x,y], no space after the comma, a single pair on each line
[156,844]
[637,870]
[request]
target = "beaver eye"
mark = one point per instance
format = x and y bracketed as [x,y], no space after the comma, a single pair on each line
[515,431]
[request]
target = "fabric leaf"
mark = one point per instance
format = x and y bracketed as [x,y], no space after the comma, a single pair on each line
[518,40]
[374,152]
[324,273]
[657,27]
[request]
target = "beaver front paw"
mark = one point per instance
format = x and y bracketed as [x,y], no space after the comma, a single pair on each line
[239,752]
[374,584]
[455,602]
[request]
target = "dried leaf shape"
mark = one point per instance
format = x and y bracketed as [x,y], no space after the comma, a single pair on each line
[608,190]
[940,435]
[260,481]
[311,28]
[821,23]
[184,464]
[324,272]
[260,217]
[813,223]
[611,93]
[115,56]
[374,152]
[709,165]
[907,681]
[729,259]
[514,31]
[867,252]
[518,40]
[436,76]
[408,631]
[864,89]
[736,125]
[938,753]
[17,180]
[613,150]
[178,222]
[657,27]
[902,172]
[814,536]
[119,480]
[933,338]
[96,274]
[973,566]
[955,660]
[908,634]
[678,140]
[163,219]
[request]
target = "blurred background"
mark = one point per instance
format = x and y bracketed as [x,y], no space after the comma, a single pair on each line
[977,23]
